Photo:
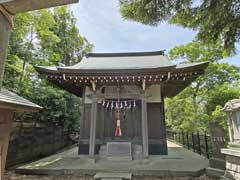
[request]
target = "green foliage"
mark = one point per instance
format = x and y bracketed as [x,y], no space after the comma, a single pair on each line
[219,116]
[214,19]
[204,98]
[45,37]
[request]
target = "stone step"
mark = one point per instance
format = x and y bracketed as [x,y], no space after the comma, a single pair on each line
[119,158]
[113,176]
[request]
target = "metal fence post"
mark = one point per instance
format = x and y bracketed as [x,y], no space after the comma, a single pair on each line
[193,142]
[199,143]
[183,139]
[187,140]
[206,145]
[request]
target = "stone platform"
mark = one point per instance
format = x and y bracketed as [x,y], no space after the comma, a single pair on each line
[179,162]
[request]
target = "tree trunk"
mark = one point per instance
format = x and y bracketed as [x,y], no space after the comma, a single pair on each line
[5,30]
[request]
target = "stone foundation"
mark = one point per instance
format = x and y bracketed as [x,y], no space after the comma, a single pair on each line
[232,164]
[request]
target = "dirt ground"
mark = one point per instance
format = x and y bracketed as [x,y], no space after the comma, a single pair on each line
[12,176]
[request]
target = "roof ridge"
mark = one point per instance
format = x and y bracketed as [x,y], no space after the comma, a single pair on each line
[126,54]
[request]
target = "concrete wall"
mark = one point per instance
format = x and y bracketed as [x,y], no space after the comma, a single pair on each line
[30,141]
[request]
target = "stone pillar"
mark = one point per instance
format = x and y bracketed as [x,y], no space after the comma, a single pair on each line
[93,126]
[5,30]
[144,126]
[230,126]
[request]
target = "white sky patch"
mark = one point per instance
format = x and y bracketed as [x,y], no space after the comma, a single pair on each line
[101,23]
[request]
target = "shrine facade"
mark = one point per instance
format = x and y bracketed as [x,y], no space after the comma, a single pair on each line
[123,97]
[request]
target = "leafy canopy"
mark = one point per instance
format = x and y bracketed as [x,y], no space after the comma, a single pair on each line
[200,103]
[214,19]
[45,37]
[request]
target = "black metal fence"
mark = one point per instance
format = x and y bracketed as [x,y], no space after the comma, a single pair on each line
[199,143]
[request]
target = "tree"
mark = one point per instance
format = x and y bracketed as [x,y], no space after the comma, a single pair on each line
[72,46]
[207,94]
[214,19]
[37,38]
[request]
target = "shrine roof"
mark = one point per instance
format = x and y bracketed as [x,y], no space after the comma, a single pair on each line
[124,68]
[95,62]
[10,100]
[232,105]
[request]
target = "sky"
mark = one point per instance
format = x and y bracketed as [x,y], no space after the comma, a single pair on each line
[101,23]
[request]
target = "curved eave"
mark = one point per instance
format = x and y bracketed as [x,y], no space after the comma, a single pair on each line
[68,86]
[192,67]
[173,88]
[179,77]
[172,68]
[46,70]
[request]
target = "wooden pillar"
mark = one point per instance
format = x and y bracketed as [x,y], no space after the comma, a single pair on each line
[82,111]
[93,124]
[5,30]
[5,132]
[81,121]
[144,123]
[1,173]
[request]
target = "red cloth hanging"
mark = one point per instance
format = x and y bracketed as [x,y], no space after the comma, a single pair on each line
[118,132]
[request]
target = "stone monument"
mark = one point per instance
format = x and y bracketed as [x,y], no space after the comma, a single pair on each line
[218,141]
[232,153]
[119,151]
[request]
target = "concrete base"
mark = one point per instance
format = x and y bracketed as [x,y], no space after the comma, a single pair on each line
[91,160]
[225,178]
[179,162]
[232,163]
[217,163]
[213,172]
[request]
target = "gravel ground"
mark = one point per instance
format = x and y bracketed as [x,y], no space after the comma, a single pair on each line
[13,176]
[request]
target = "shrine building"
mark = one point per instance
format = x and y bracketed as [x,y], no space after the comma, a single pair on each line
[123,97]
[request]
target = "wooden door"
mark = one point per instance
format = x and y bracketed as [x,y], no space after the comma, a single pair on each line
[130,122]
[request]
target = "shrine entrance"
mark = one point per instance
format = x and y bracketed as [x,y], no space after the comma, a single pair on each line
[130,119]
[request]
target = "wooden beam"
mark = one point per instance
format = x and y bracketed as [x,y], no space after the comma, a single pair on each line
[144,126]
[121,96]
[5,132]
[5,30]
[93,126]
